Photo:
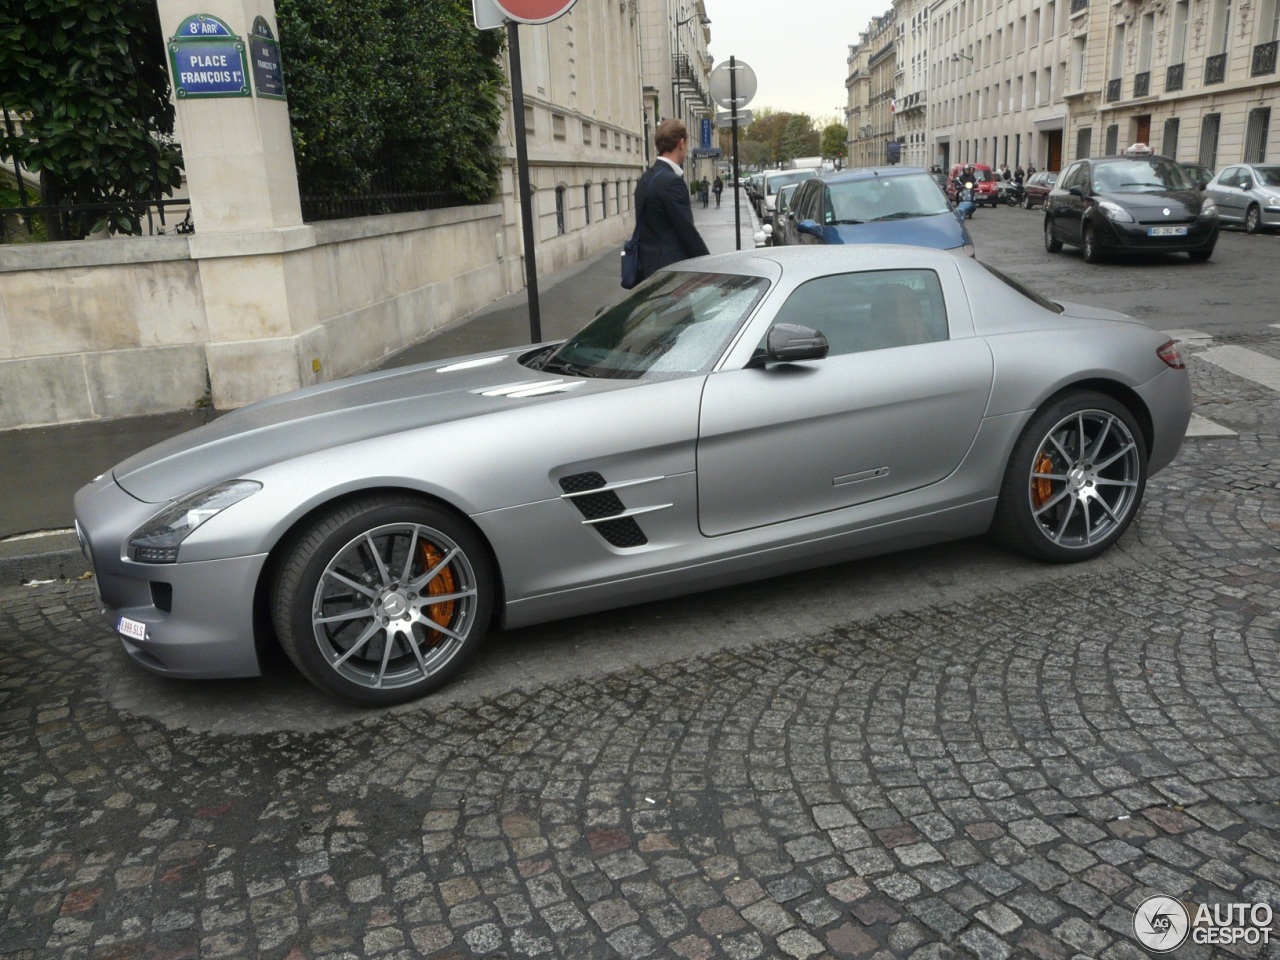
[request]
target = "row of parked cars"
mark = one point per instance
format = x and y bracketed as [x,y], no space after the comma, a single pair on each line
[1132,202]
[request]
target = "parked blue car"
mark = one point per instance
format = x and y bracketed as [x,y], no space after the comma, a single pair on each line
[878,205]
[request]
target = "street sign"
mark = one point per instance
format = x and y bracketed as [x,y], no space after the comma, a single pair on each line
[208,60]
[722,84]
[710,153]
[704,141]
[726,119]
[533,11]
[487,15]
[264,51]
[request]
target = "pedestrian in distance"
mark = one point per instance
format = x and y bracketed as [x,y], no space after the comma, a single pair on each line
[704,192]
[664,229]
[717,188]
[1031,168]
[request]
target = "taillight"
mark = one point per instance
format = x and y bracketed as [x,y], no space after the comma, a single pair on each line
[1171,355]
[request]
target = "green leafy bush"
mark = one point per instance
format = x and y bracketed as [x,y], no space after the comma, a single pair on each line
[87,82]
[409,91]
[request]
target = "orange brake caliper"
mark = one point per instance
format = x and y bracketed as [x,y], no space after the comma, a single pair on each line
[1042,487]
[442,583]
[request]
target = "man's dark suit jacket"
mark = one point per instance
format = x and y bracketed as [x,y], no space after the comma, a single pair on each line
[667,233]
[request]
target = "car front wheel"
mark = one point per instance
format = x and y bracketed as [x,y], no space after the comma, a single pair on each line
[1051,243]
[1253,219]
[1075,479]
[382,599]
[1089,248]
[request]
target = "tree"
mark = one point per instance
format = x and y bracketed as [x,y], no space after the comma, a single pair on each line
[87,85]
[415,94]
[799,139]
[834,141]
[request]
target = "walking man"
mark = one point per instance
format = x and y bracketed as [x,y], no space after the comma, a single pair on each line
[665,216]
[718,188]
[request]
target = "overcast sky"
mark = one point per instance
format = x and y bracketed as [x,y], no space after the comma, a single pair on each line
[797,48]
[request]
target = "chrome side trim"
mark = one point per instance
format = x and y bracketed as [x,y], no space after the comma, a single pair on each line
[617,485]
[633,512]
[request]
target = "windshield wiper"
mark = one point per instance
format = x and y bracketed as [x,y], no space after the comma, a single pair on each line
[832,223]
[556,365]
[900,215]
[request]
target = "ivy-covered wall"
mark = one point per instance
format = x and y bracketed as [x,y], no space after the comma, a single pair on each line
[406,89]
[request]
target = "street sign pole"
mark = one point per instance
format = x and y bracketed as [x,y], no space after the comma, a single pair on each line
[522,174]
[737,208]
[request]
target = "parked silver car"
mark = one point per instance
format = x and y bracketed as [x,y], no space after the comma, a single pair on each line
[732,418]
[1248,194]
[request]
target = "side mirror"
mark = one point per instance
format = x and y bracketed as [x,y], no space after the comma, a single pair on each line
[1076,192]
[810,227]
[1247,185]
[790,343]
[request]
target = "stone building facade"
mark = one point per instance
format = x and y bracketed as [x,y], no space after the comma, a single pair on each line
[1047,81]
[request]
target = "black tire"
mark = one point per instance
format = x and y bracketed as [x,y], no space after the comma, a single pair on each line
[1080,450]
[1252,219]
[374,569]
[1051,243]
[1026,203]
[1200,256]
[1089,246]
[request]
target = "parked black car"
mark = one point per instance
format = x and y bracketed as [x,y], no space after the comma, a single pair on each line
[1129,204]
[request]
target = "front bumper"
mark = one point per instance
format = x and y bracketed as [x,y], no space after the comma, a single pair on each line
[1133,237]
[198,617]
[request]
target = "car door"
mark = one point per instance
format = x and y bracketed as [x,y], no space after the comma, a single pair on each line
[1072,209]
[1226,193]
[894,406]
[1055,201]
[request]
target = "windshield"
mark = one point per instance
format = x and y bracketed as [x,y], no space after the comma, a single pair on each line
[1024,290]
[1268,176]
[1139,176]
[983,176]
[677,323]
[777,180]
[887,198]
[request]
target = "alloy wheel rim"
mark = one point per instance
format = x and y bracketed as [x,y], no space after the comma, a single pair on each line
[1084,479]
[394,605]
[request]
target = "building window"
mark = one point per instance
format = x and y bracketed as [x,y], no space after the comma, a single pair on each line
[1178,46]
[1084,142]
[586,201]
[1170,145]
[560,228]
[1112,144]
[1220,32]
[1209,140]
[1255,138]
[558,126]
[604,200]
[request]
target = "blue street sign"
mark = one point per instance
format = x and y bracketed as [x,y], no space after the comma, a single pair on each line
[207,59]
[706,133]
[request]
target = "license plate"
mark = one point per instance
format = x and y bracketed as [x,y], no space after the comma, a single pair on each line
[132,629]
[1167,232]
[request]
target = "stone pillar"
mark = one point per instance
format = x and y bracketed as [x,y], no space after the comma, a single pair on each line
[250,242]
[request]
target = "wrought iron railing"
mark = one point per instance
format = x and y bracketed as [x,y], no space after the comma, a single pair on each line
[1264,58]
[149,215]
[1142,84]
[1113,90]
[1173,76]
[1215,68]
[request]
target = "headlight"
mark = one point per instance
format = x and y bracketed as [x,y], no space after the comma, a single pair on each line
[158,539]
[1208,208]
[1115,212]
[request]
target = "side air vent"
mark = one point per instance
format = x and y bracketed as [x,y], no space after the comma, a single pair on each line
[597,508]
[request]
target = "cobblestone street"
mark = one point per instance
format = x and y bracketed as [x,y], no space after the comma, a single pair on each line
[1006,770]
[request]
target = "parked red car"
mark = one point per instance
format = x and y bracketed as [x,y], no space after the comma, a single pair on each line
[1037,188]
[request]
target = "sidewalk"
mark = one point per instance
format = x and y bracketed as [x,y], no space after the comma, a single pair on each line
[41,468]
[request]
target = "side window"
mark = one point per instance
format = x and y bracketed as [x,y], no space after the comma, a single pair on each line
[1231,178]
[828,211]
[872,310]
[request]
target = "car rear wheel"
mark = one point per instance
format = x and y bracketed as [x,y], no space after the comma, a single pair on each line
[1051,243]
[1200,256]
[1075,479]
[381,600]
[1026,202]
[1252,219]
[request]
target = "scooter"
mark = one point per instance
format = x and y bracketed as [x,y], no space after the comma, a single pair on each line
[1010,192]
[967,194]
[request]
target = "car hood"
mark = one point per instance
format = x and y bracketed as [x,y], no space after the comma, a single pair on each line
[344,411]
[941,231]
[1151,206]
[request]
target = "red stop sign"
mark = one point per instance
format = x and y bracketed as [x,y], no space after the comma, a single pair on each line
[534,11]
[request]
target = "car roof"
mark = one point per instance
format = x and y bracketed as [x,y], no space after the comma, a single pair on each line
[823,259]
[868,173]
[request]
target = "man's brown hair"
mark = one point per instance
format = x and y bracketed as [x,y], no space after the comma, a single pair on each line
[669,135]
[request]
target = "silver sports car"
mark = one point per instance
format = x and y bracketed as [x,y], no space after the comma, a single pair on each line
[735,417]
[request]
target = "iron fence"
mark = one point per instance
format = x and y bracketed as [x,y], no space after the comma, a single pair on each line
[1173,76]
[1142,84]
[377,202]
[1113,89]
[1215,68]
[153,216]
